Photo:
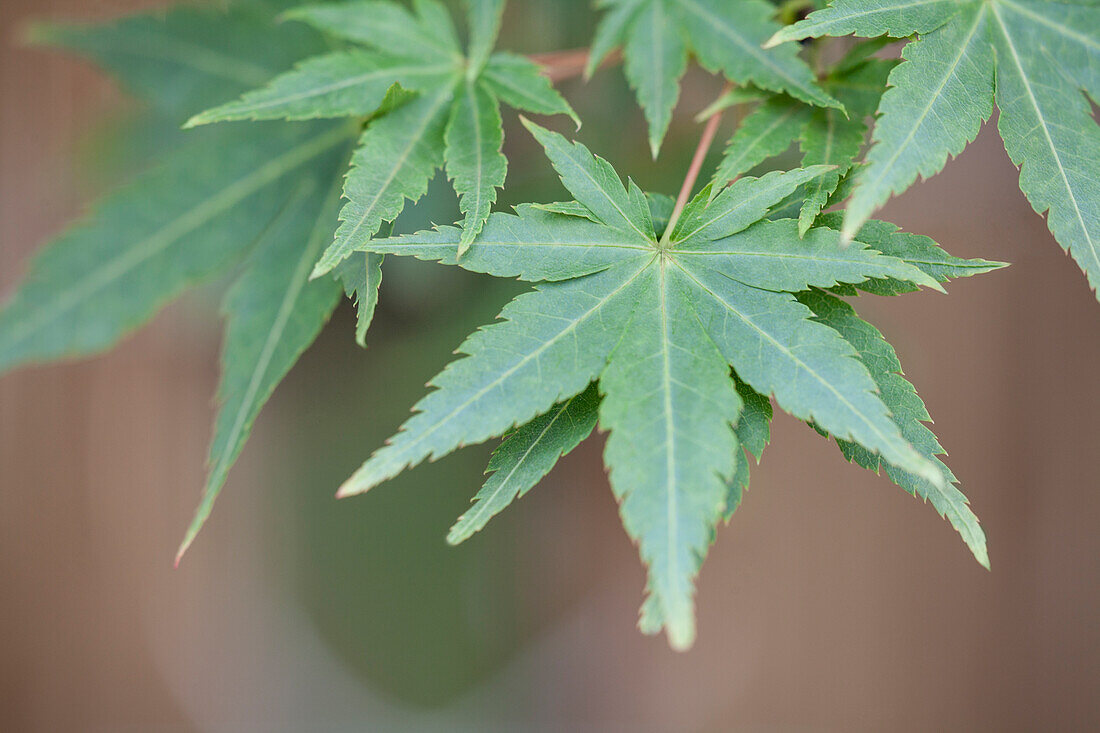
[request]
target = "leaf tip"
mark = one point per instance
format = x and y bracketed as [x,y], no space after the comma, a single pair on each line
[456,535]
[359,483]
[780,36]
[321,269]
[982,557]
[539,132]
[591,66]
[184,546]
[681,637]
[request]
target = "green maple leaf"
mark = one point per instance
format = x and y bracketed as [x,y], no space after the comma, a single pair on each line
[449,115]
[658,322]
[259,196]
[1033,57]
[725,37]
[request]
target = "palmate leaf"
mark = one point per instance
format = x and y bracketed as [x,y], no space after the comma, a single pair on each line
[531,451]
[256,193]
[1034,58]
[657,323]
[725,37]
[453,118]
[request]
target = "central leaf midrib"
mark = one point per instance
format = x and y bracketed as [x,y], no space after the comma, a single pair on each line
[380,243]
[671,500]
[791,256]
[475,113]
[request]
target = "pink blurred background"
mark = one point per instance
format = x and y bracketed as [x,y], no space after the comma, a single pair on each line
[833,601]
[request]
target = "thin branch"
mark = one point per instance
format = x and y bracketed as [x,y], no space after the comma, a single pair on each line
[701,150]
[559,65]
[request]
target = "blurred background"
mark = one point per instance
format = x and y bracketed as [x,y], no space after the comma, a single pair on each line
[833,600]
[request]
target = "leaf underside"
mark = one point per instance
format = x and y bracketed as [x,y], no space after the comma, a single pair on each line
[1036,59]
[676,346]
[673,331]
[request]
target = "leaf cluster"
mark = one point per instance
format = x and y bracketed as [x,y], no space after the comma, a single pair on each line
[1033,57]
[673,342]
[673,327]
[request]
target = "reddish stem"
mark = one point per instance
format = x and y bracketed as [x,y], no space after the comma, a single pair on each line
[705,141]
[559,65]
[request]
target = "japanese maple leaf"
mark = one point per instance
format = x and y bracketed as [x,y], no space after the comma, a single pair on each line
[435,105]
[253,202]
[1034,57]
[657,323]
